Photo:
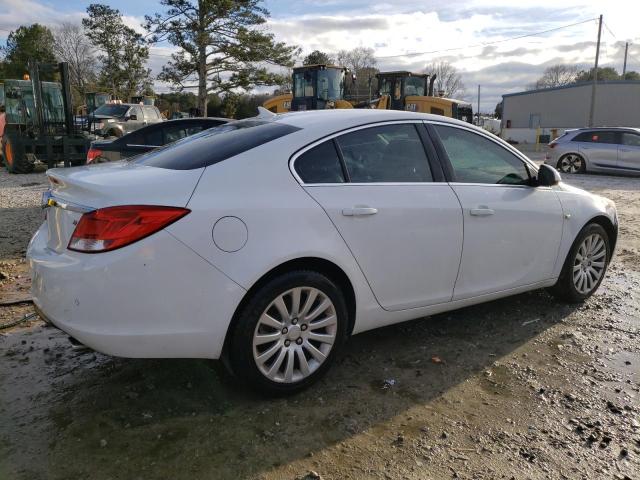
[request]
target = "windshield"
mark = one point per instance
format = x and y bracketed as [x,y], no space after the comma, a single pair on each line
[330,84]
[415,86]
[112,110]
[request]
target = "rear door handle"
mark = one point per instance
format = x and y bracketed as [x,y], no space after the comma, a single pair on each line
[359,211]
[482,211]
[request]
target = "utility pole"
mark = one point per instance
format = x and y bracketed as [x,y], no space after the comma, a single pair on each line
[624,65]
[595,76]
[478,121]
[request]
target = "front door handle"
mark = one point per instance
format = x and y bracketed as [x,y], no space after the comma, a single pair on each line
[482,211]
[359,211]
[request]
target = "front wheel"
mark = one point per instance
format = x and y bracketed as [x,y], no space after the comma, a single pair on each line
[572,163]
[585,266]
[288,333]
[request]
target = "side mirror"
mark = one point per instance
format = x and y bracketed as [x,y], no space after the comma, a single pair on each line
[131,117]
[548,176]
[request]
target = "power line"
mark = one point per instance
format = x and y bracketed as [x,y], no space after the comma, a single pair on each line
[413,54]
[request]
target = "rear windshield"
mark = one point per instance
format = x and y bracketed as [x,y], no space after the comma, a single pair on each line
[112,109]
[215,145]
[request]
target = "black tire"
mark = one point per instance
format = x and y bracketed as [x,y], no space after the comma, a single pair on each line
[572,158]
[15,161]
[240,353]
[565,288]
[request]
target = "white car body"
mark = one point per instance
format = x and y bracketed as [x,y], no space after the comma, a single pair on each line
[428,248]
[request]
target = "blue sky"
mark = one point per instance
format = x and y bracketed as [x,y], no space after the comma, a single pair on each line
[394,28]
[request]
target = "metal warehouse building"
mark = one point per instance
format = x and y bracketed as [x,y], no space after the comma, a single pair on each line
[554,110]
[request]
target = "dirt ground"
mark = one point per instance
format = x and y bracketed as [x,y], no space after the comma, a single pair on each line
[521,388]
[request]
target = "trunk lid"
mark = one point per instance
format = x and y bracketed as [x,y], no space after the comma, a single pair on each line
[77,190]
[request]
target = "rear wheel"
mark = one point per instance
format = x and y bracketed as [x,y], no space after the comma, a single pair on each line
[15,161]
[572,163]
[585,266]
[288,333]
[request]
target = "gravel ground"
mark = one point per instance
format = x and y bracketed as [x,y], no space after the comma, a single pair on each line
[524,387]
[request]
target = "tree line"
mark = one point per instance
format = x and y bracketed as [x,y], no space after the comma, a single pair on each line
[221,49]
[564,74]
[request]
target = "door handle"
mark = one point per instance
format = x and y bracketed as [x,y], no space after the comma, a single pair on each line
[359,211]
[482,211]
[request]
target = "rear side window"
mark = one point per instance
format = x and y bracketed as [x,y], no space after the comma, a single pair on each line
[631,139]
[598,136]
[215,145]
[321,164]
[389,153]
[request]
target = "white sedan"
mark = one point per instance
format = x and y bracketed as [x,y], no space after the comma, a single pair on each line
[267,242]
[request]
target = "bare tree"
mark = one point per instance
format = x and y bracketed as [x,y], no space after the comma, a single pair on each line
[362,62]
[448,82]
[556,76]
[71,45]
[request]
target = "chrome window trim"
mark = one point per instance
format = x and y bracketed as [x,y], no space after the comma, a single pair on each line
[501,143]
[303,150]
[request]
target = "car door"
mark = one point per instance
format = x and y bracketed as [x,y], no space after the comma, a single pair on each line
[403,228]
[601,148]
[135,119]
[629,152]
[512,230]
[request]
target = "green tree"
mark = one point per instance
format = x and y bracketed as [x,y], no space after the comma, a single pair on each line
[631,76]
[124,52]
[498,110]
[604,74]
[27,43]
[222,44]
[317,58]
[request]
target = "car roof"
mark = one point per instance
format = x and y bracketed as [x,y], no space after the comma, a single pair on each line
[591,129]
[338,119]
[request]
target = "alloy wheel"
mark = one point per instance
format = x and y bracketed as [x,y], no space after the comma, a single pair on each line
[571,164]
[294,335]
[589,263]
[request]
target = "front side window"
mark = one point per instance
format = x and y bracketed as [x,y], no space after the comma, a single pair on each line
[112,110]
[320,164]
[388,153]
[150,113]
[631,139]
[476,159]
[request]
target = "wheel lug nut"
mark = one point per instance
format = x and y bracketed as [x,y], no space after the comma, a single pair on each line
[285,330]
[294,321]
[299,341]
[303,327]
[287,343]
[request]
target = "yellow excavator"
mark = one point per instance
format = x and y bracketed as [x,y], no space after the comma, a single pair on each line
[413,92]
[315,87]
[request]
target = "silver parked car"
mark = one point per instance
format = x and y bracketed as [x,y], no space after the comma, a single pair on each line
[607,150]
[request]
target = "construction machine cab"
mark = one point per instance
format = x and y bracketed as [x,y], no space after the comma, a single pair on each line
[401,84]
[413,92]
[317,87]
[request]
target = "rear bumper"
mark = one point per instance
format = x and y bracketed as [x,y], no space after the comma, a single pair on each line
[153,299]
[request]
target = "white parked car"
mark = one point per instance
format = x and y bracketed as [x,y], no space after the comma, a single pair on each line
[267,242]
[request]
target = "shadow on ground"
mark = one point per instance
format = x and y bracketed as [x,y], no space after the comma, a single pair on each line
[69,414]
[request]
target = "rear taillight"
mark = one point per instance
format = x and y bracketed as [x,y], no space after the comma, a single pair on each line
[551,145]
[92,154]
[114,227]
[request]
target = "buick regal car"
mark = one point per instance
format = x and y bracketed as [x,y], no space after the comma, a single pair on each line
[267,242]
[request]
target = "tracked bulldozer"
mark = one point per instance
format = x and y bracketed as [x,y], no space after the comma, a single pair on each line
[314,87]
